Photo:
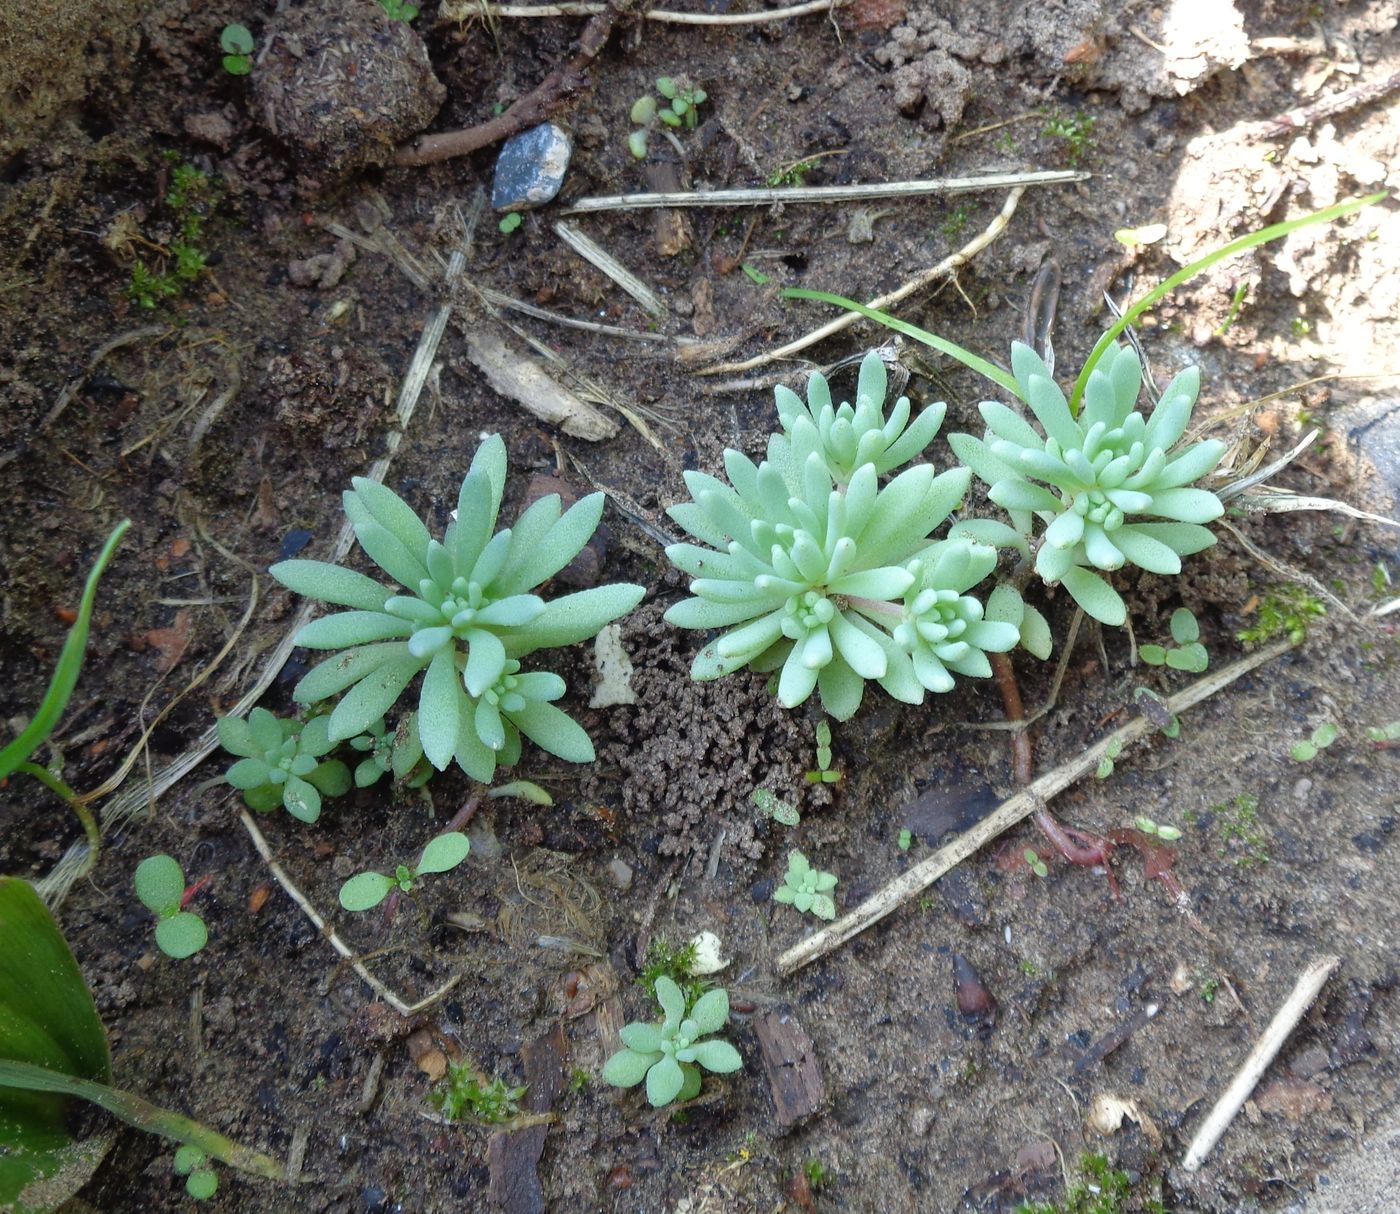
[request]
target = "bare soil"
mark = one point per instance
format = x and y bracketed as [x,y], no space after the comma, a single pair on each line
[225,423]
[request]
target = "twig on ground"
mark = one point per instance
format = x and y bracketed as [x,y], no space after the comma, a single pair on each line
[767,197]
[497,299]
[465,10]
[1305,990]
[328,932]
[1343,103]
[531,109]
[593,253]
[948,265]
[1011,811]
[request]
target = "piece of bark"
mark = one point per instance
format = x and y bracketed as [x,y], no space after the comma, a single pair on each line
[523,380]
[514,1155]
[790,1063]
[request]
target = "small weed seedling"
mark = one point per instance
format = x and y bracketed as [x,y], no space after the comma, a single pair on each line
[1154,708]
[236,42]
[1034,862]
[906,839]
[678,106]
[1111,752]
[1168,834]
[1322,737]
[282,762]
[771,805]
[956,223]
[669,1056]
[160,884]
[807,888]
[1191,654]
[463,1095]
[1385,736]
[1209,988]
[1283,611]
[364,891]
[400,753]
[676,963]
[824,773]
[510,222]
[1103,1190]
[201,1183]
[817,1173]
[794,174]
[191,195]
[398,10]
[1076,129]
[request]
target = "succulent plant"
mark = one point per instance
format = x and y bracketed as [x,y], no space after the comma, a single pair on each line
[160,885]
[813,567]
[669,1055]
[282,762]
[465,619]
[364,891]
[807,888]
[1118,483]
[399,753]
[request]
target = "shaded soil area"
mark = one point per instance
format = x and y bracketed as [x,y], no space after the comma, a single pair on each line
[225,420]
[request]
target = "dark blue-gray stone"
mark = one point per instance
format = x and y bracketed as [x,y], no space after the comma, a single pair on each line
[531,168]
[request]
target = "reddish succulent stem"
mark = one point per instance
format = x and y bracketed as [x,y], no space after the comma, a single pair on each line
[1022,763]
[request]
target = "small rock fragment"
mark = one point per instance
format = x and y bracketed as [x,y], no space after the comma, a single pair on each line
[614,670]
[324,270]
[211,128]
[976,1004]
[530,169]
[620,874]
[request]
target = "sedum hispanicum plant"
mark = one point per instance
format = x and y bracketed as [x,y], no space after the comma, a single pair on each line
[364,891]
[1109,486]
[806,888]
[201,1181]
[399,753]
[814,568]
[160,885]
[465,618]
[669,1055]
[283,762]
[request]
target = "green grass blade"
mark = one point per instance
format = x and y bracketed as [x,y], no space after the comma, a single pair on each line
[1252,240]
[70,662]
[941,344]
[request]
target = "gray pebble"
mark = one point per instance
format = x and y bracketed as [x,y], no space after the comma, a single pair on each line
[620,873]
[530,169]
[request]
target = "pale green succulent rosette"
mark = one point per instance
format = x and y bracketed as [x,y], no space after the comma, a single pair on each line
[669,1055]
[805,549]
[1118,483]
[466,617]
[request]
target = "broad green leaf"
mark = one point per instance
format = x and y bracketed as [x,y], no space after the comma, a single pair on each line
[717,1056]
[664,1082]
[331,584]
[247,773]
[627,1068]
[268,733]
[236,737]
[444,853]
[301,799]
[1153,655]
[160,882]
[330,779]
[181,935]
[315,738]
[1036,637]
[641,1038]
[65,675]
[365,890]
[1184,626]
[551,729]
[1095,595]
[711,1012]
[672,1001]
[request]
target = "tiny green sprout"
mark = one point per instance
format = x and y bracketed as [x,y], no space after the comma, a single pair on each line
[1037,865]
[364,891]
[1191,654]
[1285,610]
[817,1174]
[637,144]
[510,222]
[1383,734]
[579,1080]
[1208,989]
[807,888]
[754,275]
[669,1056]
[237,44]
[399,753]
[823,773]
[463,1095]
[398,10]
[1322,737]
[281,762]
[1111,752]
[1236,303]
[1168,834]
[680,110]
[906,839]
[201,1183]
[523,790]
[773,806]
[160,885]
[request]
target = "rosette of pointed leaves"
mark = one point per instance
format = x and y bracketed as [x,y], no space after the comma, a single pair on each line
[944,630]
[803,565]
[282,762]
[467,615]
[669,1055]
[806,888]
[849,436]
[1111,486]
[399,753]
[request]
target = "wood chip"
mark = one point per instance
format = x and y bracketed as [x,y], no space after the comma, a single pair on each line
[790,1063]
[514,1155]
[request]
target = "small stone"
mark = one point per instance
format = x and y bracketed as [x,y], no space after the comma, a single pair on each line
[620,874]
[920,1121]
[211,128]
[1302,788]
[530,169]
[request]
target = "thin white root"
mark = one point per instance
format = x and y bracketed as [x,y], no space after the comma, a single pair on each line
[1305,990]
[949,265]
[1006,815]
[328,932]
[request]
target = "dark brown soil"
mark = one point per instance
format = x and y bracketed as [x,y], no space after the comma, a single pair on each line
[226,422]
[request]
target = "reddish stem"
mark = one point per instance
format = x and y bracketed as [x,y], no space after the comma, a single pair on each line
[1022,762]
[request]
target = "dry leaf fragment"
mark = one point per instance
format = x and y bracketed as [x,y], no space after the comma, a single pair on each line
[1107,1113]
[171,642]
